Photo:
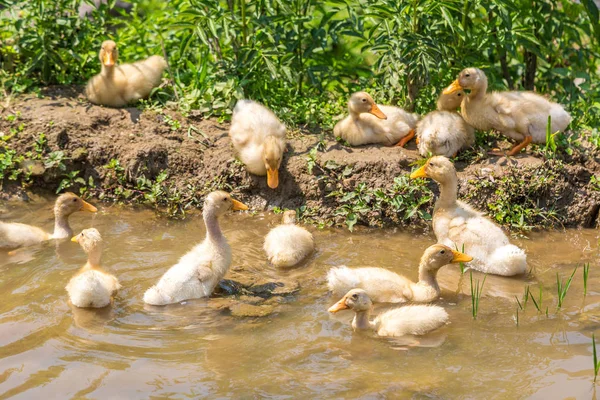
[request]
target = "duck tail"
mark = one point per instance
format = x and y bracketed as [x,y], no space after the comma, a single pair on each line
[153,297]
[508,260]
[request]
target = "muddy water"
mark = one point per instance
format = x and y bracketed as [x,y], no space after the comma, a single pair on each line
[199,349]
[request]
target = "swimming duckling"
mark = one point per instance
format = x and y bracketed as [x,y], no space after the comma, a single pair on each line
[14,235]
[522,116]
[457,224]
[402,321]
[200,270]
[91,287]
[385,286]
[370,123]
[119,85]
[258,138]
[288,244]
[444,132]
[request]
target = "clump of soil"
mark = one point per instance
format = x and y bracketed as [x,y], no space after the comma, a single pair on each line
[330,183]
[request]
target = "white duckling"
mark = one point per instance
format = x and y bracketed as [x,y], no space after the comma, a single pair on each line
[258,138]
[91,287]
[288,244]
[14,235]
[444,132]
[522,116]
[119,85]
[371,123]
[385,286]
[457,224]
[402,321]
[200,270]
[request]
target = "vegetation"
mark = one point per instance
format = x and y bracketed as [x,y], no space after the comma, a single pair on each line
[476,292]
[596,362]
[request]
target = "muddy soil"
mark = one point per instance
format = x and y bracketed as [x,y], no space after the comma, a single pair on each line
[198,156]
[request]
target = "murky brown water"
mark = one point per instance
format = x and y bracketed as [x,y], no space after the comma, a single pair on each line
[195,350]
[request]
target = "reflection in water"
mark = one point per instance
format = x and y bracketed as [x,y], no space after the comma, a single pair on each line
[298,350]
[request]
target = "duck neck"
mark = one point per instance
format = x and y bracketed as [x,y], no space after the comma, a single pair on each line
[62,229]
[478,92]
[428,277]
[361,320]
[448,192]
[213,230]
[94,257]
[107,71]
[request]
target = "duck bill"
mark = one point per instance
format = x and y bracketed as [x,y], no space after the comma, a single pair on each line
[238,205]
[74,239]
[109,59]
[88,207]
[420,173]
[453,88]
[377,112]
[460,257]
[272,178]
[339,306]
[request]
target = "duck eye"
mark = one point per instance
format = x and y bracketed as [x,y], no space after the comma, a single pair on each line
[459,95]
[364,100]
[467,75]
[442,251]
[224,198]
[74,200]
[431,164]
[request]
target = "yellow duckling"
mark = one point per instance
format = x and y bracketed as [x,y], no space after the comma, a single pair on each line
[457,224]
[402,321]
[385,286]
[522,116]
[14,235]
[369,123]
[444,132]
[91,287]
[259,139]
[288,244]
[200,270]
[119,85]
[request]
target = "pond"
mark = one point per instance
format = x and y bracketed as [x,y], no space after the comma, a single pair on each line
[299,350]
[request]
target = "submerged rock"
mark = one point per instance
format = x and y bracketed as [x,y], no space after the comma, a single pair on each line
[249,310]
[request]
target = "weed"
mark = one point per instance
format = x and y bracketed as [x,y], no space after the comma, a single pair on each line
[586,273]
[476,291]
[537,303]
[562,288]
[595,358]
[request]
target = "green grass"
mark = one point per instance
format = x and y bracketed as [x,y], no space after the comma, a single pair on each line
[476,291]
[586,274]
[562,288]
[595,359]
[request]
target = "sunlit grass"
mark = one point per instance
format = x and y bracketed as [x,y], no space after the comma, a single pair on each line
[476,291]
[562,288]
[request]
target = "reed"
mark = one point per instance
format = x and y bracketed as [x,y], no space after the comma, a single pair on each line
[537,303]
[596,363]
[476,291]
[562,288]
[586,274]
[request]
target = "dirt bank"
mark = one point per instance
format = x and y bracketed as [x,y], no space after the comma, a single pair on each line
[122,155]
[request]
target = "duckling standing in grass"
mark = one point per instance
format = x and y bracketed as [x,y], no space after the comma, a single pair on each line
[444,132]
[457,224]
[91,287]
[385,286]
[521,116]
[402,321]
[288,244]
[370,123]
[258,138]
[119,85]
[14,235]
[200,270]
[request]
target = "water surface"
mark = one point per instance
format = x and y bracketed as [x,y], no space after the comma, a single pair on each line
[199,349]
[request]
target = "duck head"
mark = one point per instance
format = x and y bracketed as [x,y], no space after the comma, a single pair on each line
[356,299]
[362,102]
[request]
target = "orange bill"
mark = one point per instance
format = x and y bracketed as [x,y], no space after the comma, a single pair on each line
[88,207]
[420,173]
[460,257]
[109,60]
[238,205]
[339,306]
[453,88]
[272,178]
[377,112]
[74,239]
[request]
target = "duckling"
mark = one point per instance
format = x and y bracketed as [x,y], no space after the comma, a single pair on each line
[444,132]
[402,321]
[119,85]
[457,224]
[259,139]
[91,287]
[369,123]
[14,235]
[522,116]
[288,244]
[200,270]
[385,286]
